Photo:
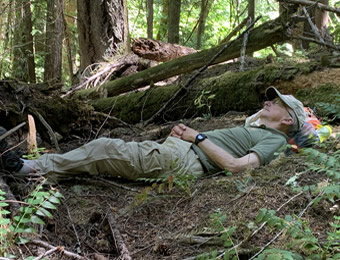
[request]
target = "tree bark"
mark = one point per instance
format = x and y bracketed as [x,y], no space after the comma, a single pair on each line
[173,21]
[23,55]
[150,18]
[321,20]
[260,37]
[54,41]
[102,30]
[6,34]
[163,26]
[205,8]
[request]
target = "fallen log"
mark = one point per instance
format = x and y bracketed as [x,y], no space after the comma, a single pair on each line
[260,37]
[238,91]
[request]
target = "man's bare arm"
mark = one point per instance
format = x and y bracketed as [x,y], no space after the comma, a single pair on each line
[220,157]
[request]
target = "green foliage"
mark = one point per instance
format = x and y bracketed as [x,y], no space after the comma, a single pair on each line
[180,179]
[18,230]
[278,254]
[35,154]
[217,220]
[331,109]
[299,236]
[204,100]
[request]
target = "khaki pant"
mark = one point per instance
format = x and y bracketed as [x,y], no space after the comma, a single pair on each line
[130,160]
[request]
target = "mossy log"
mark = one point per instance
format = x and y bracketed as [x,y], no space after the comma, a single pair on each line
[233,91]
[260,37]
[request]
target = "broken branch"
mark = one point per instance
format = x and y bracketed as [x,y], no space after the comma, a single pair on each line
[124,252]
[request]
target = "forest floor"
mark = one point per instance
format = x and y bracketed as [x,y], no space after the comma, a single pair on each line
[184,220]
[179,222]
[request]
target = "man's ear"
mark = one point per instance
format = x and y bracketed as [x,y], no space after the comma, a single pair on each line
[287,121]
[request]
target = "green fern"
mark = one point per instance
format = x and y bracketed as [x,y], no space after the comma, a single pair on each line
[324,163]
[37,206]
[331,109]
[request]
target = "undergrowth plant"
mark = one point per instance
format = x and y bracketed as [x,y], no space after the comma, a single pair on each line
[18,230]
[204,100]
[331,109]
[35,154]
[162,184]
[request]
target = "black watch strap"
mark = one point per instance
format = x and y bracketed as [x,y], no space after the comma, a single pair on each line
[199,138]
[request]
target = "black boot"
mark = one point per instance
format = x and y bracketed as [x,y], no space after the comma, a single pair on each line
[9,160]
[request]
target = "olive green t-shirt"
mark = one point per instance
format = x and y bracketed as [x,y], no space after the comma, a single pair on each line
[240,141]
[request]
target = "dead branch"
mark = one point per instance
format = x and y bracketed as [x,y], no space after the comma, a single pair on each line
[184,90]
[14,129]
[319,5]
[115,119]
[244,46]
[331,46]
[120,244]
[65,252]
[234,32]
[49,130]
[101,76]
[49,252]
[314,29]
[101,180]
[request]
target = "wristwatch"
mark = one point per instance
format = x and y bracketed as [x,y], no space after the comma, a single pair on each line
[200,138]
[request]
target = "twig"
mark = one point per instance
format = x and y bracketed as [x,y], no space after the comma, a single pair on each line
[244,46]
[314,29]
[120,244]
[279,234]
[98,179]
[49,129]
[315,41]
[9,132]
[94,77]
[191,79]
[49,252]
[74,228]
[235,31]
[115,119]
[65,252]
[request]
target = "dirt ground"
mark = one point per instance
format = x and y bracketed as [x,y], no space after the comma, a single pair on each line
[176,222]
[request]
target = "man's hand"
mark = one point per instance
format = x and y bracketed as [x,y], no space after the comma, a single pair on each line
[184,132]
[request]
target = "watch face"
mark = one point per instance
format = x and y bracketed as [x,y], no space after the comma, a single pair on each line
[200,137]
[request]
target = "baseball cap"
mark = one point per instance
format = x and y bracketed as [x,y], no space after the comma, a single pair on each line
[294,104]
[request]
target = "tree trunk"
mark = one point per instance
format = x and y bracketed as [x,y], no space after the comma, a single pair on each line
[260,37]
[251,14]
[7,34]
[23,54]
[173,21]
[163,23]
[102,30]
[54,41]
[150,18]
[321,21]
[205,8]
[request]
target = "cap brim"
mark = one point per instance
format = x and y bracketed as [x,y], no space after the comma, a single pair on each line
[272,93]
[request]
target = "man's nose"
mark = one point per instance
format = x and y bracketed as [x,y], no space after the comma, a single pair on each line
[267,103]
